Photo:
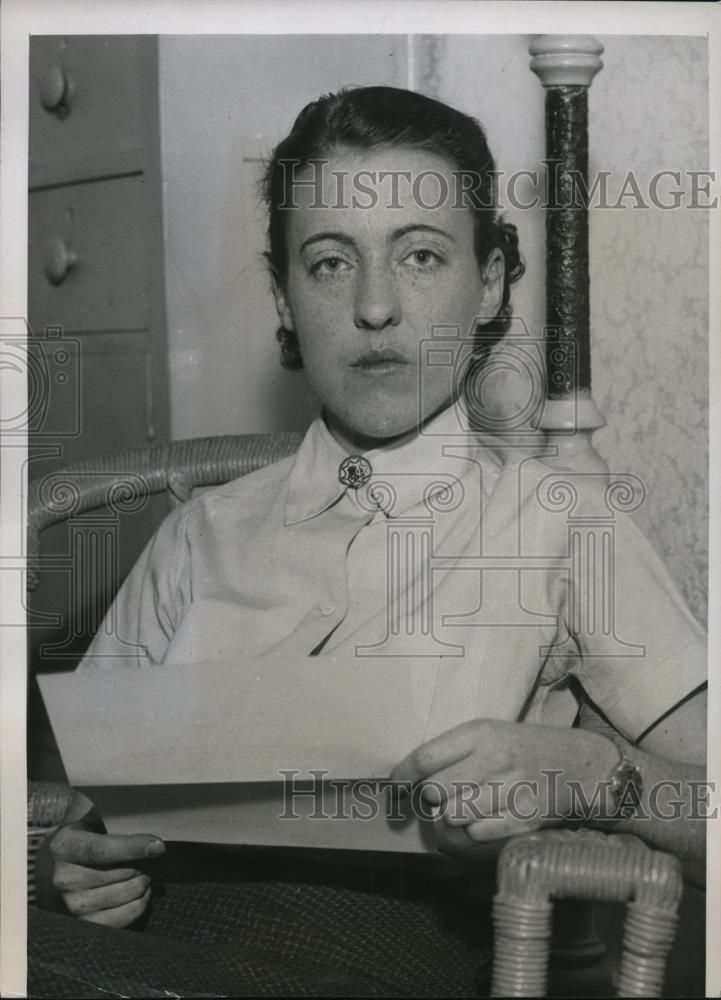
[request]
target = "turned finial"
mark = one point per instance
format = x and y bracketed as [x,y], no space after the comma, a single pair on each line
[566,60]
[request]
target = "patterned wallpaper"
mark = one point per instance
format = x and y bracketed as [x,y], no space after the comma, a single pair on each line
[649,266]
[649,297]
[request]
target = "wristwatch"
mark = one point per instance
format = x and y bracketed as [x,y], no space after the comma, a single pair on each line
[625,784]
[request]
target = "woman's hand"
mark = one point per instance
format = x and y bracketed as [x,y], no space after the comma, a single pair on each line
[94,872]
[494,779]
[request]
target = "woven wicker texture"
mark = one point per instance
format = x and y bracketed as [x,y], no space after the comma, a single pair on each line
[47,804]
[583,864]
[123,479]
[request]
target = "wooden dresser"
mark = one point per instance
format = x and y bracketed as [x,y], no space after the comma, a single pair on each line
[96,307]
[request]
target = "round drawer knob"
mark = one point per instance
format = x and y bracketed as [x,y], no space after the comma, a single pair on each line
[60,259]
[56,88]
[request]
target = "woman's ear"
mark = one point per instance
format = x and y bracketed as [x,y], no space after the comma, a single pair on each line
[283,309]
[493,276]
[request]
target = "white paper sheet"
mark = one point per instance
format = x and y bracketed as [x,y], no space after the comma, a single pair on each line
[200,751]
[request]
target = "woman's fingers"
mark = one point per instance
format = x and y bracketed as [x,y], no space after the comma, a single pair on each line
[68,877]
[473,801]
[88,902]
[79,846]
[446,749]
[479,842]
[455,840]
[93,873]
[463,792]
[121,916]
[504,825]
[515,799]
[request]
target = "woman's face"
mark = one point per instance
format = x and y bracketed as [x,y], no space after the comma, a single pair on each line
[367,282]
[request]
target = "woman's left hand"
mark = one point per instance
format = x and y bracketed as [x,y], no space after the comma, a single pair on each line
[494,779]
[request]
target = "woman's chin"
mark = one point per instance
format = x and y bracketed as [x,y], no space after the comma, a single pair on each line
[385,426]
[368,430]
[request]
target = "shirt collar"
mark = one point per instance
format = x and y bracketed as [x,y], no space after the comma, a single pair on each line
[413,469]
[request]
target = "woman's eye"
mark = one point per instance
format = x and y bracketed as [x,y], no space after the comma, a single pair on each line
[329,266]
[423,258]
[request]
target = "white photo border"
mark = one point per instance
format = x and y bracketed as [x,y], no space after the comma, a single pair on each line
[21,18]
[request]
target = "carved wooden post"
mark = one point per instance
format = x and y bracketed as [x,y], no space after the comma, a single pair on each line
[566,65]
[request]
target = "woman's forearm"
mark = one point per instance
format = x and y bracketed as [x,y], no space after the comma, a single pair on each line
[671,813]
[672,810]
[495,779]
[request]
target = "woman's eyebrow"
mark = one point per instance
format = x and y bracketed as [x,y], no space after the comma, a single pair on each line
[327,235]
[397,234]
[420,227]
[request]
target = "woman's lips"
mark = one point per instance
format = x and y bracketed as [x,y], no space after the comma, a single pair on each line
[379,367]
[385,362]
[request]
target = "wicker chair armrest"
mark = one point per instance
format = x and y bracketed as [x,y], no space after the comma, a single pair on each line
[48,802]
[589,865]
[123,480]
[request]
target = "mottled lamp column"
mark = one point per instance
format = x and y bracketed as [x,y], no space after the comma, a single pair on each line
[566,65]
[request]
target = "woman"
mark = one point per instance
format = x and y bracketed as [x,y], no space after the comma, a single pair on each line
[382,229]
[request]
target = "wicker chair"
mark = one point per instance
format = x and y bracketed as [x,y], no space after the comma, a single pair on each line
[533,870]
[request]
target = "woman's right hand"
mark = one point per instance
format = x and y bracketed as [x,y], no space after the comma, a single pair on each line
[94,872]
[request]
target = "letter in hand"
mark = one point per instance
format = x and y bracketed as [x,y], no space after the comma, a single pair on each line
[95,873]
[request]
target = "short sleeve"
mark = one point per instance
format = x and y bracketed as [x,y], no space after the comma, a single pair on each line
[150,603]
[638,649]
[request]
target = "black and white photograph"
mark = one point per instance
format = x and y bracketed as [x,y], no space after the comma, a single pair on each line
[356,420]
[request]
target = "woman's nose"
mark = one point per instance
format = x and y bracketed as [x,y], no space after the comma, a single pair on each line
[376,303]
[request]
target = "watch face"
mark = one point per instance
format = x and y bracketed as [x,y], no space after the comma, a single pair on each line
[627,788]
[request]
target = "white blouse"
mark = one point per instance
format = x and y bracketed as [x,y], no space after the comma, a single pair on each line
[519,577]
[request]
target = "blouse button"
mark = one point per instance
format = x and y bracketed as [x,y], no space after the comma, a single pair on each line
[326,610]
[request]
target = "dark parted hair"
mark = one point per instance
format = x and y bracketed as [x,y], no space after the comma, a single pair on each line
[367,118]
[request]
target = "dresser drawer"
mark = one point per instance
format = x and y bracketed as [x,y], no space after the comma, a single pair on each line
[86,98]
[105,404]
[86,268]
